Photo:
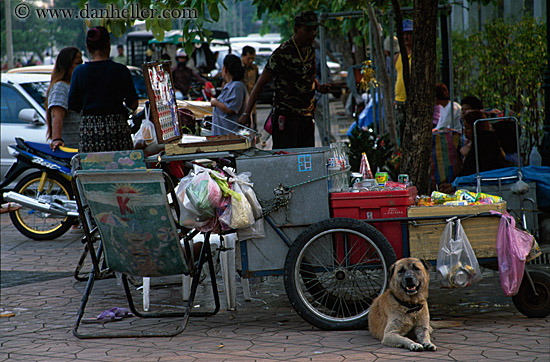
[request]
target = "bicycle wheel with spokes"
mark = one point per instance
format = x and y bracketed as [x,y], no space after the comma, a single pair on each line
[334,270]
[39,225]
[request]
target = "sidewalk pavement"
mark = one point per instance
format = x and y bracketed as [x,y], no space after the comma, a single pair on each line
[475,324]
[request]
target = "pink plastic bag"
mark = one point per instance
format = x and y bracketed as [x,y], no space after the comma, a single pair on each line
[513,246]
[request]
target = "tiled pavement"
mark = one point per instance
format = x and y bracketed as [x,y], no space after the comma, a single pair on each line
[475,324]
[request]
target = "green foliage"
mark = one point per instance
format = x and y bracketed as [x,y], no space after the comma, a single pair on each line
[379,151]
[503,65]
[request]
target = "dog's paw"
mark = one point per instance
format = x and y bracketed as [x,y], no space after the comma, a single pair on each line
[429,347]
[416,347]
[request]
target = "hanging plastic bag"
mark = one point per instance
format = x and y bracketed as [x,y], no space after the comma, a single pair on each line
[513,247]
[457,265]
[255,231]
[189,215]
[204,193]
[241,211]
[243,179]
[147,134]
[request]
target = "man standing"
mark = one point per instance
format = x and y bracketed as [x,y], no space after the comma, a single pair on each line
[400,93]
[120,57]
[292,69]
[251,75]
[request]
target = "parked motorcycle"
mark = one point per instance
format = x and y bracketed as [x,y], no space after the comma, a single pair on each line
[46,194]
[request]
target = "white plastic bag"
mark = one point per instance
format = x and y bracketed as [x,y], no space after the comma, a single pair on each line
[255,231]
[189,215]
[457,265]
[241,211]
[147,134]
[246,186]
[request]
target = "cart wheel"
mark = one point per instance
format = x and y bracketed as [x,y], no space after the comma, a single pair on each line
[334,270]
[527,302]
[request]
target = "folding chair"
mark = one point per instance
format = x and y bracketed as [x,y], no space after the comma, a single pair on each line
[139,237]
[99,161]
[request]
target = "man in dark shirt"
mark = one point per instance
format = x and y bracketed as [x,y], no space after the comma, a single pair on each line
[292,69]
[183,75]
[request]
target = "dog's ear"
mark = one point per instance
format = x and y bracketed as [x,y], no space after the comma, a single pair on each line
[426,264]
[392,269]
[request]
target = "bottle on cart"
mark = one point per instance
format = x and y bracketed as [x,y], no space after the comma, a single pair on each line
[535,159]
[334,168]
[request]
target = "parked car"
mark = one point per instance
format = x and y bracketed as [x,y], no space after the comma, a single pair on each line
[22,111]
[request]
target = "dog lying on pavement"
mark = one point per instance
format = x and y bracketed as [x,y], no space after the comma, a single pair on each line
[402,310]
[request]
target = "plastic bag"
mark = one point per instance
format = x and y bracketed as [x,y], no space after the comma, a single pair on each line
[147,134]
[457,265]
[241,211]
[246,186]
[513,247]
[255,231]
[204,193]
[189,215]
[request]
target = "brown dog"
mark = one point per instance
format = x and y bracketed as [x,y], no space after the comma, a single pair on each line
[402,310]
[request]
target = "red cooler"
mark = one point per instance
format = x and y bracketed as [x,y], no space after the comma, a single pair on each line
[376,205]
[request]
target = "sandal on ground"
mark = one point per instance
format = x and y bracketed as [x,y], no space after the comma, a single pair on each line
[109,315]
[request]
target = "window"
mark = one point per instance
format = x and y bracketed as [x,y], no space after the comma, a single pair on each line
[11,103]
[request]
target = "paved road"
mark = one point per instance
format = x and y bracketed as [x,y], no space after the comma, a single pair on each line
[476,324]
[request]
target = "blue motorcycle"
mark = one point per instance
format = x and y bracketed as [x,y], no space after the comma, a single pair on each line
[45,192]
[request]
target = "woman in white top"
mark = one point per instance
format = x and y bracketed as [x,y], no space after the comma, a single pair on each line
[63,124]
[449,116]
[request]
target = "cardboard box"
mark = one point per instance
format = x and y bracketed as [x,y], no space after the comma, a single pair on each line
[481,231]
[212,144]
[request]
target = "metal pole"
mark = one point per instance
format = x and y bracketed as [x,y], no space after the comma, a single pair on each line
[9,39]
[324,97]
[450,39]
[444,64]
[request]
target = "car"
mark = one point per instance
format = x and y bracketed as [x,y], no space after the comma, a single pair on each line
[22,111]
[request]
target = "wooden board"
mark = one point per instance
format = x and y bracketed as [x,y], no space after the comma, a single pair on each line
[481,231]
[212,144]
[199,108]
[162,100]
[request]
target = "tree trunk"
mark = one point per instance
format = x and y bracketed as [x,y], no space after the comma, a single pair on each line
[417,140]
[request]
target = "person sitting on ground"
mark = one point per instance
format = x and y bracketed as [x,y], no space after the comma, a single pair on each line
[449,116]
[183,75]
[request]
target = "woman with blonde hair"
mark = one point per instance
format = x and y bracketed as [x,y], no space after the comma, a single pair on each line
[63,124]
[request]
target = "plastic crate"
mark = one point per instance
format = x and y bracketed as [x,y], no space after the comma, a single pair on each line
[375,205]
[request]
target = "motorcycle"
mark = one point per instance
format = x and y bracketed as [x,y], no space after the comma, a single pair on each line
[199,92]
[46,195]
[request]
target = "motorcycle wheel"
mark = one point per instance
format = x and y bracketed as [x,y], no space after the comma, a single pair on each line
[40,225]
